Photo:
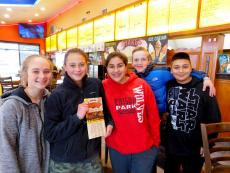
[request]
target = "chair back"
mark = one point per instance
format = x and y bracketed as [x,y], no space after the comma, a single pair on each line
[1,92]
[216,147]
[7,83]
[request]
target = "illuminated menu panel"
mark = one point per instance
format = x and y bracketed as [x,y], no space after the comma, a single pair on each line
[158,17]
[53,42]
[214,12]
[62,40]
[104,29]
[137,20]
[85,34]
[122,24]
[183,15]
[72,38]
[47,44]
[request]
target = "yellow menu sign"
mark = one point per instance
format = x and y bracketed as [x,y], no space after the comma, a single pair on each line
[104,29]
[183,15]
[62,40]
[47,44]
[214,12]
[137,20]
[53,42]
[85,34]
[122,24]
[158,17]
[72,38]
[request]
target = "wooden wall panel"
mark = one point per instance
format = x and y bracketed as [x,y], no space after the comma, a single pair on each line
[223,97]
[212,45]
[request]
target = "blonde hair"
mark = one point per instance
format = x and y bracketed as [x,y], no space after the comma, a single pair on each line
[140,48]
[25,66]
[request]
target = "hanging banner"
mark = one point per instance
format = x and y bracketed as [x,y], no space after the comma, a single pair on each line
[127,46]
[156,45]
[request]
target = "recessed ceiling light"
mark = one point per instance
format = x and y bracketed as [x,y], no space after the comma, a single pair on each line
[43,9]
[9,9]
[29,20]
[36,14]
[3,22]
[6,15]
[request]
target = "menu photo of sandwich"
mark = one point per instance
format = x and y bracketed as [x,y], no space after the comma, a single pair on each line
[95,117]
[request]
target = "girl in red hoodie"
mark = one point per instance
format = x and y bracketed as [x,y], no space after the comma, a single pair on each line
[135,138]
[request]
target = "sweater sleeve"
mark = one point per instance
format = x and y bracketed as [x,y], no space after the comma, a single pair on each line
[56,128]
[212,114]
[198,74]
[152,115]
[107,114]
[9,139]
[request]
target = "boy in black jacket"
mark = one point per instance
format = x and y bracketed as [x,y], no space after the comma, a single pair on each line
[188,106]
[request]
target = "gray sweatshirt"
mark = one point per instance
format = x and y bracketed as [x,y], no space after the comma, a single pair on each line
[22,145]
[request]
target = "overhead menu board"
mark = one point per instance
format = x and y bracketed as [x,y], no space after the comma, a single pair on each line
[85,34]
[122,24]
[47,44]
[214,12]
[53,42]
[61,40]
[72,38]
[137,20]
[158,17]
[183,15]
[104,29]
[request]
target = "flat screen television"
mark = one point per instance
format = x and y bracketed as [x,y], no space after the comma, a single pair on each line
[31,30]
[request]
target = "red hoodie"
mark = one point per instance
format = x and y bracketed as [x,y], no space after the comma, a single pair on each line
[135,114]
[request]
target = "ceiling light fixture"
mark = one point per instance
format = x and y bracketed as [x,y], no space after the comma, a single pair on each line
[8,9]
[6,15]
[36,14]
[43,9]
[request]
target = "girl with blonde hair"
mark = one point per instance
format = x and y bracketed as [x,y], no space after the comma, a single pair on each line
[23,148]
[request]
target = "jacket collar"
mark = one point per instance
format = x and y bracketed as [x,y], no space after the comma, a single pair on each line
[70,82]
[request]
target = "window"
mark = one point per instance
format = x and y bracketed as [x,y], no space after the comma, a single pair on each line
[26,50]
[12,55]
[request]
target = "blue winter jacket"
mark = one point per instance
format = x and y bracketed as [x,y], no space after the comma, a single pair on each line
[157,79]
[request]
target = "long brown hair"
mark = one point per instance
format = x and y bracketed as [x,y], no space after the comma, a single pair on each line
[78,51]
[120,55]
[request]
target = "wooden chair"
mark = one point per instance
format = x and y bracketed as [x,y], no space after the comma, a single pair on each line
[7,83]
[216,149]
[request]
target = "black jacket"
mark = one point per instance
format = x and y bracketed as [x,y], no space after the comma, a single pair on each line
[67,135]
[188,106]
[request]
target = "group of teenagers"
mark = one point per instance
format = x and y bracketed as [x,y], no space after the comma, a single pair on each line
[44,132]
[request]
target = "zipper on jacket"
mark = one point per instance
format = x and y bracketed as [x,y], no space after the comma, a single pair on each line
[41,135]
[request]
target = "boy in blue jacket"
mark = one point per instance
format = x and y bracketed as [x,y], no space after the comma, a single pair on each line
[157,78]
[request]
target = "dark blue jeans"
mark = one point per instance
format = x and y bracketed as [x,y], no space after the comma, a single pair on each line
[133,163]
